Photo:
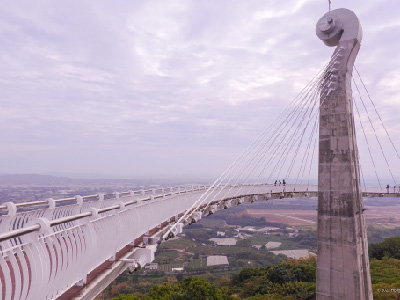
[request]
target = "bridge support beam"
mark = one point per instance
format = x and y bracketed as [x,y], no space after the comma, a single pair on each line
[342,254]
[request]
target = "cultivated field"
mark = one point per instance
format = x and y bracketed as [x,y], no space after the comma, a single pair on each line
[386,216]
[286,216]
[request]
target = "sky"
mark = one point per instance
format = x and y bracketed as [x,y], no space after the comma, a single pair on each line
[169,89]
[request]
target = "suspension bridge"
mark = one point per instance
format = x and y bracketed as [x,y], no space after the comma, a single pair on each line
[73,248]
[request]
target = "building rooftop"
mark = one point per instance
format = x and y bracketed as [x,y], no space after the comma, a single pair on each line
[296,254]
[272,245]
[217,260]
[224,241]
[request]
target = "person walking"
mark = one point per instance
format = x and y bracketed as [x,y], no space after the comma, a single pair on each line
[276,181]
[284,182]
[387,188]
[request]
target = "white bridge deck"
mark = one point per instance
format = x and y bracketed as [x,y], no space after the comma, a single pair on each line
[73,248]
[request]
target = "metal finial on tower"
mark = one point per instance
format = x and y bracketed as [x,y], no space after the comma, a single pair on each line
[338,25]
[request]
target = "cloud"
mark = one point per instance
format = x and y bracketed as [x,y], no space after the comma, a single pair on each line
[165,87]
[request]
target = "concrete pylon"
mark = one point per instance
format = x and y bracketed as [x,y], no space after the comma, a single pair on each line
[342,254]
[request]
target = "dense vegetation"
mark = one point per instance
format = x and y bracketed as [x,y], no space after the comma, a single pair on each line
[306,239]
[191,288]
[377,235]
[291,279]
[243,220]
[389,248]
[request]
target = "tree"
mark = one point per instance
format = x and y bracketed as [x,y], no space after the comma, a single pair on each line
[126,297]
[244,243]
[293,279]
[385,275]
[191,288]
[390,248]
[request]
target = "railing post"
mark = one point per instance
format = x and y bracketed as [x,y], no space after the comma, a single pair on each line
[52,203]
[12,208]
[48,213]
[79,200]
[44,224]
[95,213]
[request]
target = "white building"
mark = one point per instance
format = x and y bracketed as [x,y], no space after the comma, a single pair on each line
[295,254]
[177,269]
[224,241]
[217,260]
[272,245]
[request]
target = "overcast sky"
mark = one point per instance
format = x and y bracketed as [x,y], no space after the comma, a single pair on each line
[167,88]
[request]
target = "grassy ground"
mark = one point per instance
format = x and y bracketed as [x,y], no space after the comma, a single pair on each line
[179,243]
[168,267]
[198,263]
[262,239]
[218,224]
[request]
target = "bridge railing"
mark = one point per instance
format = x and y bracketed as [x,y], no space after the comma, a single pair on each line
[15,224]
[47,263]
[67,214]
[62,209]
[49,254]
[101,196]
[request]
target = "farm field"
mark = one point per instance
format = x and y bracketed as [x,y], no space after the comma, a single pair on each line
[386,216]
[286,216]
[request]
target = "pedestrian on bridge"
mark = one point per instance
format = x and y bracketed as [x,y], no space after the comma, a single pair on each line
[276,181]
[284,182]
[387,188]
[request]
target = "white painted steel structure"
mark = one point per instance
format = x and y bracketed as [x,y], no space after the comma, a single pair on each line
[74,251]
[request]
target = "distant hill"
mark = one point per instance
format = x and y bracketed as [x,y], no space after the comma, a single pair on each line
[37,179]
[22,179]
